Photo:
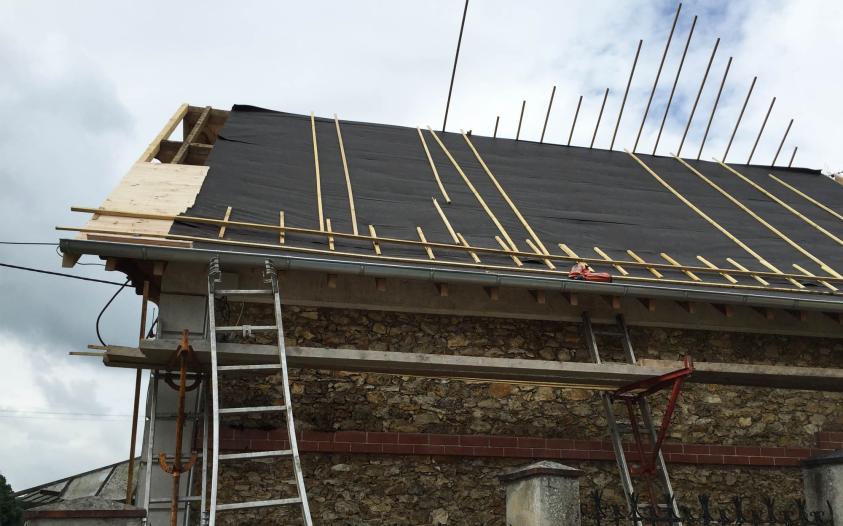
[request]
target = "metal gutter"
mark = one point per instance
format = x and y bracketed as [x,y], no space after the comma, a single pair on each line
[488,279]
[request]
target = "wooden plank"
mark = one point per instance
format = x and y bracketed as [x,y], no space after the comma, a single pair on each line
[374,236]
[505,248]
[708,263]
[157,353]
[347,177]
[282,230]
[194,133]
[637,258]
[433,167]
[538,252]
[445,220]
[464,243]
[807,197]
[330,230]
[225,218]
[149,154]
[825,284]
[672,261]
[197,153]
[318,176]
[605,256]
[423,239]
[759,279]
[69,260]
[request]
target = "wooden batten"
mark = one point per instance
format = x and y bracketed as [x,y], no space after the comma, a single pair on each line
[442,289]
[687,306]
[800,315]
[492,292]
[158,268]
[69,260]
[571,298]
[613,301]
[380,284]
[331,280]
[540,296]
[648,303]
[724,308]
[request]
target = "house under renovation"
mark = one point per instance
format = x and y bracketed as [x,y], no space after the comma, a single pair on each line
[370,324]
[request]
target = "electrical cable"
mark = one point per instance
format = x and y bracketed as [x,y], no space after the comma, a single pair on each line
[62,274]
[26,243]
[106,307]
[59,252]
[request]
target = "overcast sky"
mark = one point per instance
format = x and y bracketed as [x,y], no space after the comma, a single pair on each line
[86,85]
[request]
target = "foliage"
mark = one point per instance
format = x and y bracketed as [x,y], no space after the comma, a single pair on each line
[11,513]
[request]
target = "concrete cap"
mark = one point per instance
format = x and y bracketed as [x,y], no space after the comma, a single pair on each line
[87,508]
[539,469]
[830,458]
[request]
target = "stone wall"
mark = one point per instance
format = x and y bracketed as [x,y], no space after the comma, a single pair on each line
[398,490]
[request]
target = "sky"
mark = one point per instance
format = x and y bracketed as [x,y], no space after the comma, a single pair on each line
[86,85]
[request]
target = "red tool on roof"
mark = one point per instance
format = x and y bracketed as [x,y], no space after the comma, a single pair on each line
[584,272]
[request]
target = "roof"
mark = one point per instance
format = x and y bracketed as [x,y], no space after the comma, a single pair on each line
[293,185]
[108,482]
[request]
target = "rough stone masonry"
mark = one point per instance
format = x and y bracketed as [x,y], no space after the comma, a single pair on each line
[357,431]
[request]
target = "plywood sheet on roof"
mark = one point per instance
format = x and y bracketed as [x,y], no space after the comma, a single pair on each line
[167,189]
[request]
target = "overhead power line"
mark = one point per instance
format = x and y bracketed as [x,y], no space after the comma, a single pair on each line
[41,271]
[26,243]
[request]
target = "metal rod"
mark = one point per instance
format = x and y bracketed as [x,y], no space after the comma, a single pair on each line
[697,100]
[547,117]
[675,82]
[792,157]
[599,116]
[497,121]
[521,118]
[658,74]
[778,151]
[714,108]
[740,117]
[454,72]
[763,125]
[626,93]
[573,124]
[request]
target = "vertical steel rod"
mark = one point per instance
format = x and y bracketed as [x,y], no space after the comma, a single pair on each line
[658,74]
[792,157]
[778,151]
[675,82]
[697,100]
[714,108]
[626,93]
[497,121]
[763,125]
[521,118]
[740,117]
[547,117]
[454,72]
[576,113]
[599,116]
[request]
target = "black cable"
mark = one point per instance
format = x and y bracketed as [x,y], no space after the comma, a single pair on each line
[26,243]
[63,275]
[106,307]
[60,254]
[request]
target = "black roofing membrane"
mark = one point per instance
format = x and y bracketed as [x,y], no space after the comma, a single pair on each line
[263,163]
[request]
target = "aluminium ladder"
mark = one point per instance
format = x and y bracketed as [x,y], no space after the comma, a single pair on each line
[271,278]
[615,427]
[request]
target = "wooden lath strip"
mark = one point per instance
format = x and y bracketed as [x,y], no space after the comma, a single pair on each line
[225,218]
[191,137]
[679,265]
[374,237]
[506,249]
[807,197]
[705,216]
[784,205]
[282,230]
[433,166]
[152,150]
[711,265]
[538,252]
[464,243]
[124,236]
[445,220]
[605,256]
[759,279]
[474,191]
[820,281]
[347,177]
[330,230]
[638,258]
[760,219]
[570,253]
[505,196]
[397,241]
[318,176]
[423,239]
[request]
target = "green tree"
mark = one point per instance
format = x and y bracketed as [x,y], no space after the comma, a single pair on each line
[11,513]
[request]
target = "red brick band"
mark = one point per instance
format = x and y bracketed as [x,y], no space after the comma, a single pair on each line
[232,439]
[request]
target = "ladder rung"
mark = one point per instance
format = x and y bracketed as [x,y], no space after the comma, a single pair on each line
[238,328]
[162,500]
[171,416]
[258,504]
[233,292]
[609,333]
[257,454]
[256,409]
[256,367]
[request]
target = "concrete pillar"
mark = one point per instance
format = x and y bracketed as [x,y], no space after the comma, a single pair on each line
[543,493]
[823,479]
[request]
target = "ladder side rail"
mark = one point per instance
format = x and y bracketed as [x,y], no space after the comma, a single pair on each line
[203,506]
[150,439]
[213,277]
[291,428]
[647,417]
[617,442]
